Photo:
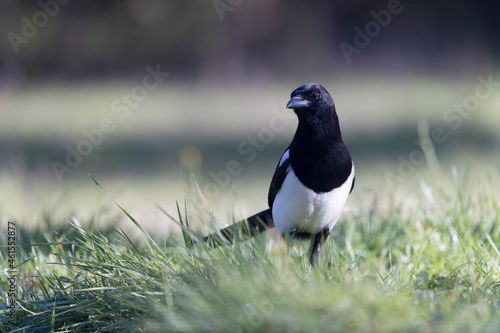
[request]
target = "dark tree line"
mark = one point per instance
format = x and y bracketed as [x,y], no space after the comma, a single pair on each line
[75,39]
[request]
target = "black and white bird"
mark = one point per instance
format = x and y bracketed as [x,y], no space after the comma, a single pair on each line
[314,176]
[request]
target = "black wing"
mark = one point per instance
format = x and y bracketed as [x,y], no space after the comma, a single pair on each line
[278,178]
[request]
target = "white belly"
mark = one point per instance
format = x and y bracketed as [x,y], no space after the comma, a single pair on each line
[296,206]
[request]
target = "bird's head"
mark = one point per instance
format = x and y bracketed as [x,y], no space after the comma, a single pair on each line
[309,99]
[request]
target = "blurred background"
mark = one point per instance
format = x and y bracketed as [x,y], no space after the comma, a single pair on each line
[165,101]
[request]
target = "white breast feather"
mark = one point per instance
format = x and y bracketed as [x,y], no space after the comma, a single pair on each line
[298,206]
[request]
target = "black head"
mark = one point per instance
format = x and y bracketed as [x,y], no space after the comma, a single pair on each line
[316,112]
[310,99]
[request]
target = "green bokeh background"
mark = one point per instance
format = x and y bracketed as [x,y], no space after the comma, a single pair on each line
[231,69]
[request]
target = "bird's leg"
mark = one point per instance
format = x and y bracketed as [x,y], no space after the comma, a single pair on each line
[317,244]
[289,235]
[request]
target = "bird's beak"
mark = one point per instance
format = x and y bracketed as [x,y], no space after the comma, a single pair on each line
[297,102]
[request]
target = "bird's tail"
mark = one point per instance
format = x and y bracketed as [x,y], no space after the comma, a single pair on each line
[249,227]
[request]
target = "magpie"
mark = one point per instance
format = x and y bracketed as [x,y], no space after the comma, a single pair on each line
[313,178]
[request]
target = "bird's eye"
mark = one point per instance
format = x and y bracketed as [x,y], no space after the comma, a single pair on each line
[315,95]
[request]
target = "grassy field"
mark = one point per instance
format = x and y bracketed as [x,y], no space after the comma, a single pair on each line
[431,269]
[139,160]
[419,254]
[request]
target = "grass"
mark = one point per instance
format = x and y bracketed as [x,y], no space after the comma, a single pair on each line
[419,259]
[435,268]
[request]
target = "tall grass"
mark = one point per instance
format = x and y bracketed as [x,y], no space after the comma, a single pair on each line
[433,268]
